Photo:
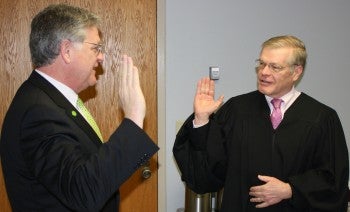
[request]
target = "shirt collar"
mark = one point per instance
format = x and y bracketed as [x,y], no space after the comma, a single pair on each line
[288,99]
[67,92]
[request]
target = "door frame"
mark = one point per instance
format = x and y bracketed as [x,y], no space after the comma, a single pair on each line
[162,197]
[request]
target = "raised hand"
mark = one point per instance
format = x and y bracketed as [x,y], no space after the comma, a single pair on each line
[204,102]
[131,97]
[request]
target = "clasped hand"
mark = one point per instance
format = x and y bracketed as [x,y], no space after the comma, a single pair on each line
[270,193]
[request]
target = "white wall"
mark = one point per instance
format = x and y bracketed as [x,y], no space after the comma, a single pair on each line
[228,33]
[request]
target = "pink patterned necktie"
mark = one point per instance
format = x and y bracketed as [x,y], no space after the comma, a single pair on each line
[276,116]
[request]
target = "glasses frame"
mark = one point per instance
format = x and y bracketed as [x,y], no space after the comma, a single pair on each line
[276,68]
[99,47]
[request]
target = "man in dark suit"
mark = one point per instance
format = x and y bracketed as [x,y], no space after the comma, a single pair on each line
[52,158]
[295,162]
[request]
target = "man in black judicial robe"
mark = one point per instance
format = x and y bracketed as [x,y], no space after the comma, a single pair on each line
[302,165]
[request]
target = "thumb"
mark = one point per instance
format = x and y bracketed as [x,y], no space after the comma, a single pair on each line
[219,102]
[264,178]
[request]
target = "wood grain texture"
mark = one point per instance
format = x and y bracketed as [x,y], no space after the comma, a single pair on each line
[128,26]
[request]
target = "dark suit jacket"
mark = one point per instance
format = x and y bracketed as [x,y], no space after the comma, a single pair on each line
[53,160]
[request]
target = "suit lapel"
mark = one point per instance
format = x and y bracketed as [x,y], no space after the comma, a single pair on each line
[62,102]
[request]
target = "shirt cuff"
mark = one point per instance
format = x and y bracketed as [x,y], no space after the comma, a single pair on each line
[199,125]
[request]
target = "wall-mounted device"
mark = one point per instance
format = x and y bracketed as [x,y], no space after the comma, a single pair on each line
[214,72]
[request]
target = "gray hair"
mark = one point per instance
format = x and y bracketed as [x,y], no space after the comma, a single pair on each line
[53,25]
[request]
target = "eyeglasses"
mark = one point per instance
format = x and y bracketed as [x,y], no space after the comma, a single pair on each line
[98,48]
[260,65]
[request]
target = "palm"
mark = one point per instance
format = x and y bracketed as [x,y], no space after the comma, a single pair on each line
[131,98]
[204,102]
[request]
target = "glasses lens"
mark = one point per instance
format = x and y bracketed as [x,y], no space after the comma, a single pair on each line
[101,48]
[259,64]
[98,48]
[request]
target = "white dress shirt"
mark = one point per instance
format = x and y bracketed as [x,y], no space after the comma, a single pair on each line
[67,92]
[288,100]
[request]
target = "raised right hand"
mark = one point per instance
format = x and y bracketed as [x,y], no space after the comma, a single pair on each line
[131,98]
[204,102]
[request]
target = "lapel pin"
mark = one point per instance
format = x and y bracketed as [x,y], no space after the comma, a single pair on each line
[74,113]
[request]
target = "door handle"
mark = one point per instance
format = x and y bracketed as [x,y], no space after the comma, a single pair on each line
[146,171]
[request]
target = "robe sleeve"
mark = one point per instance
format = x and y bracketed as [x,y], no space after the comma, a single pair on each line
[326,186]
[202,163]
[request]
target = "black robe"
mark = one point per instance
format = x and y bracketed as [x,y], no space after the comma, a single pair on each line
[308,150]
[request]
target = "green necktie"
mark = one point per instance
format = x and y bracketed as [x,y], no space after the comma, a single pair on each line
[84,111]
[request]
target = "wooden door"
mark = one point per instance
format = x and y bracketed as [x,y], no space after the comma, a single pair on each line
[129,26]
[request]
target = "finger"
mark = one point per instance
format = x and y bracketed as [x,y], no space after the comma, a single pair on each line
[262,205]
[206,86]
[220,101]
[211,87]
[255,189]
[130,71]
[121,72]
[136,77]
[257,199]
[122,78]
[257,195]
[198,91]
[201,86]
[124,70]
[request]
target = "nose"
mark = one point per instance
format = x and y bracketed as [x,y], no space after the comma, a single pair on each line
[100,57]
[265,70]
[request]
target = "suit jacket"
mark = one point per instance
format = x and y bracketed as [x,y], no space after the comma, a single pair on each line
[53,160]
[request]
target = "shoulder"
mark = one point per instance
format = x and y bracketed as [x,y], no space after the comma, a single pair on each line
[250,99]
[246,97]
[312,109]
[248,103]
[311,103]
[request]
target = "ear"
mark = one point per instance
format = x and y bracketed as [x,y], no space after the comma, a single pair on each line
[298,72]
[66,51]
